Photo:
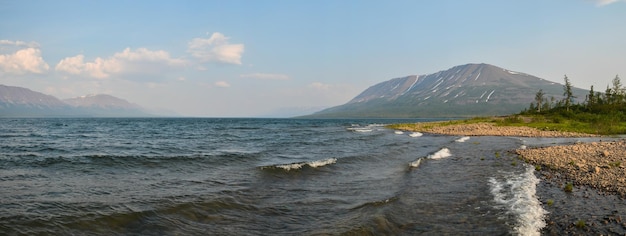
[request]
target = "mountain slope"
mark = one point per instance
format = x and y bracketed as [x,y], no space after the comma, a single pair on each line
[104,105]
[23,102]
[466,90]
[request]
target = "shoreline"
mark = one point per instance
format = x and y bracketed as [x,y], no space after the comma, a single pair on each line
[599,165]
[487,129]
[595,171]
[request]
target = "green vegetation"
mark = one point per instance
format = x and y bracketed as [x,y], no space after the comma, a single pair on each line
[537,167]
[580,224]
[550,202]
[601,113]
[569,187]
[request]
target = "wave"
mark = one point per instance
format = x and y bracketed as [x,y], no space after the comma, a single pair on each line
[398,132]
[416,134]
[367,128]
[416,163]
[300,165]
[516,194]
[442,153]
[377,203]
[462,140]
[360,129]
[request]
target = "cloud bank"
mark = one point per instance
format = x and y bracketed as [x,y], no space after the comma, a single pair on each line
[22,58]
[140,60]
[606,2]
[216,49]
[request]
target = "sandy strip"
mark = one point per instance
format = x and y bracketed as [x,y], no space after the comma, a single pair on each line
[487,129]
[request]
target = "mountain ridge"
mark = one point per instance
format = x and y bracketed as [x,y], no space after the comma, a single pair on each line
[23,102]
[461,91]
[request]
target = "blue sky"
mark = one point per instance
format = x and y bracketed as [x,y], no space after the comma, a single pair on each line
[253,58]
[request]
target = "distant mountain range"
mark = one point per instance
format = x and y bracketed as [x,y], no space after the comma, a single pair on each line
[23,102]
[461,91]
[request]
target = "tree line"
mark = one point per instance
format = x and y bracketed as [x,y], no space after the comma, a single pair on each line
[611,101]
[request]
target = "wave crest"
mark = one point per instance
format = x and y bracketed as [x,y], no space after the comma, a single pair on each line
[517,194]
[443,153]
[462,140]
[300,165]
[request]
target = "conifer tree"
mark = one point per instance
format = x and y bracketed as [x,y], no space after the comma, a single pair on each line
[567,92]
[539,99]
[591,98]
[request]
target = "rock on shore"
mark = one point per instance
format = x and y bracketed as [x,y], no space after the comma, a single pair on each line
[601,165]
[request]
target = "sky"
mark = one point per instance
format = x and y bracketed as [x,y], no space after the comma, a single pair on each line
[281,57]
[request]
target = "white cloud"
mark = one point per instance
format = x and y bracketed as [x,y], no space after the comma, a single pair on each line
[216,49]
[222,84]
[265,76]
[321,86]
[606,2]
[27,60]
[141,60]
[19,43]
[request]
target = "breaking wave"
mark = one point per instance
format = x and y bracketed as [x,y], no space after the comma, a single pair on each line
[443,153]
[416,163]
[415,134]
[516,194]
[462,140]
[300,165]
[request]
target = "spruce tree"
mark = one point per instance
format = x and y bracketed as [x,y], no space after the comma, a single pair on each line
[539,99]
[567,92]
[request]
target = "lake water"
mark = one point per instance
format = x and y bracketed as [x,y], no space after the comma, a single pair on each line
[258,176]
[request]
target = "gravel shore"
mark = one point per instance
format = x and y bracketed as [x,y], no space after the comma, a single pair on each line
[599,166]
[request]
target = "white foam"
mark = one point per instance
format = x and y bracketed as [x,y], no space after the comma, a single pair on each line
[398,132]
[462,140]
[324,162]
[360,129]
[313,164]
[416,163]
[293,166]
[415,134]
[516,194]
[443,153]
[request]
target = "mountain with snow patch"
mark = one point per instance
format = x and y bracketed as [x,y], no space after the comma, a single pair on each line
[462,91]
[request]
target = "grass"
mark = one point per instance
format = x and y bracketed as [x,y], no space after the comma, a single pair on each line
[550,202]
[615,164]
[569,187]
[537,167]
[580,224]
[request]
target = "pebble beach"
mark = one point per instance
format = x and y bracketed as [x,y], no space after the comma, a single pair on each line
[596,171]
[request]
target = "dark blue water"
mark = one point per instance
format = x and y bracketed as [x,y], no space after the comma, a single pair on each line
[257,176]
